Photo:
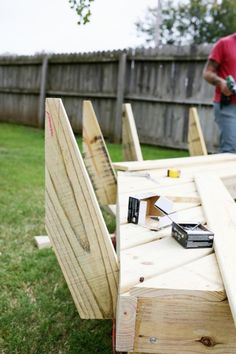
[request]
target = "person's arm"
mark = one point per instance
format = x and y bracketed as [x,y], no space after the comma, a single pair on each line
[210,74]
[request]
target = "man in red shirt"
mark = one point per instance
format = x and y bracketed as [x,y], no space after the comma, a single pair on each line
[222,63]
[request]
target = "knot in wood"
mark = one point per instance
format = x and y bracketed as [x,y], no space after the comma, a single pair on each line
[207,341]
[141,279]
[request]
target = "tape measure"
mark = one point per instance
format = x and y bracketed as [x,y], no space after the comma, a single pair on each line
[173,173]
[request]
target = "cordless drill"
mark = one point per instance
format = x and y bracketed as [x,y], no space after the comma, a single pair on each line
[226,100]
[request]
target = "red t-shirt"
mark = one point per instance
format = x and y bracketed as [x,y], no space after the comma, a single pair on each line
[224,53]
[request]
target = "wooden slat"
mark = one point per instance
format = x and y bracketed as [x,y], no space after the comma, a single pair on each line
[154,258]
[178,325]
[220,211]
[97,159]
[74,221]
[200,279]
[130,141]
[175,162]
[196,142]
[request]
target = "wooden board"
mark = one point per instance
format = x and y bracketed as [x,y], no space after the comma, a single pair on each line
[74,221]
[220,211]
[130,141]
[97,159]
[196,142]
[175,162]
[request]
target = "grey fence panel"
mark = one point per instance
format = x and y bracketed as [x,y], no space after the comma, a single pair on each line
[161,86]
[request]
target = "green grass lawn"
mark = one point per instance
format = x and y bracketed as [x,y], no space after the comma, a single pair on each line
[37,312]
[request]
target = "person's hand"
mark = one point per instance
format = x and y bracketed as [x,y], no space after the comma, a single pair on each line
[224,88]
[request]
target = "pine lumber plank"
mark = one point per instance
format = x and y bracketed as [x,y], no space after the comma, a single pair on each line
[130,141]
[196,142]
[152,259]
[175,325]
[74,221]
[200,279]
[220,211]
[97,159]
[175,162]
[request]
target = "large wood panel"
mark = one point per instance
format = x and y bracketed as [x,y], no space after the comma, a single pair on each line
[74,221]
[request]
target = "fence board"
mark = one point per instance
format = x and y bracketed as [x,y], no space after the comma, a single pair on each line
[160,84]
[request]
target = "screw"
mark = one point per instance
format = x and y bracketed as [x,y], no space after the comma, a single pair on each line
[141,279]
[153,340]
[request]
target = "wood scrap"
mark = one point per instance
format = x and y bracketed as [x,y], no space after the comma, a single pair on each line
[42,242]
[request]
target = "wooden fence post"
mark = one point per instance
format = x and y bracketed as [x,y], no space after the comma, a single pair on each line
[119,98]
[42,95]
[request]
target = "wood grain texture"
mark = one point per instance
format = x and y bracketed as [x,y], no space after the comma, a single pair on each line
[125,322]
[176,325]
[196,142]
[97,159]
[130,142]
[74,221]
[220,211]
[200,279]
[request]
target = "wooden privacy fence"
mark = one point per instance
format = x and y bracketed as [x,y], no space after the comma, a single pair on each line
[161,86]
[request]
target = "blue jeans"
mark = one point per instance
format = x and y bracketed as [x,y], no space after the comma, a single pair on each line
[225,118]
